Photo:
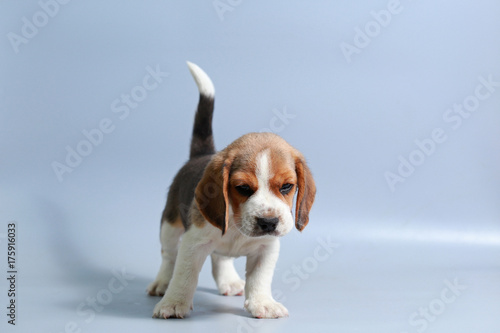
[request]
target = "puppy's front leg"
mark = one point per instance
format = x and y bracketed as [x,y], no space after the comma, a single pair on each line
[178,299]
[260,268]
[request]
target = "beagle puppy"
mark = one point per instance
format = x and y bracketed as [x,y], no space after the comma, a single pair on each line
[236,202]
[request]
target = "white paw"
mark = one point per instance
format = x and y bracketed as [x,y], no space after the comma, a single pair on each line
[158,287]
[172,309]
[265,307]
[232,288]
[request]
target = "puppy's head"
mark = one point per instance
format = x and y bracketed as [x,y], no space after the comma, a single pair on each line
[256,178]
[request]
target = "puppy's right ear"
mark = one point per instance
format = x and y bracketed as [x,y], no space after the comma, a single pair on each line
[211,194]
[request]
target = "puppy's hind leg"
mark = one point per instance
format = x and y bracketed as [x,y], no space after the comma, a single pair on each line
[227,279]
[170,235]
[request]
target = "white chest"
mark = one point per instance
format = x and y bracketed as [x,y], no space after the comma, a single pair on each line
[234,244]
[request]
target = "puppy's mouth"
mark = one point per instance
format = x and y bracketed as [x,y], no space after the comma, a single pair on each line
[261,234]
[266,234]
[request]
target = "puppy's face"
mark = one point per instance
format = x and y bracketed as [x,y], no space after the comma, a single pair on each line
[256,178]
[261,195]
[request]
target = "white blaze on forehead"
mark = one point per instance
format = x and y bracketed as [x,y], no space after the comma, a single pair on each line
[263,171]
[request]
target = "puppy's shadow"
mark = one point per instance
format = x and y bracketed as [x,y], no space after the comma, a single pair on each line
[134,302]
[208,301]
[98,291]
[208,290]
[95,290]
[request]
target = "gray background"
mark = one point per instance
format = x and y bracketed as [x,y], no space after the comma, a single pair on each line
[354,116]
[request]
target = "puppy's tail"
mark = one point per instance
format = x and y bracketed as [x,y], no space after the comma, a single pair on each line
[202,141]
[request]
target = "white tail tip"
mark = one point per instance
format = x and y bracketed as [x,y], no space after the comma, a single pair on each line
[205,85]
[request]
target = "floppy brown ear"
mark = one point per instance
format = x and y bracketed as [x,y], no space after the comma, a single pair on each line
[305,195]
[211,193]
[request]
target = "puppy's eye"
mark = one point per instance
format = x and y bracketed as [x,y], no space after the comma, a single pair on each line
[286,188]
[244,190]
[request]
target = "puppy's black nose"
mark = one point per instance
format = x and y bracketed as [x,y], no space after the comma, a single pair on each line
[267,224]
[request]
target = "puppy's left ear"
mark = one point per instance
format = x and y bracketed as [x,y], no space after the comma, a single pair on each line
[306,192]
[211,193]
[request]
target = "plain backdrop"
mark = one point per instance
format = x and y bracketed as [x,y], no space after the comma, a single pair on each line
[395,105]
